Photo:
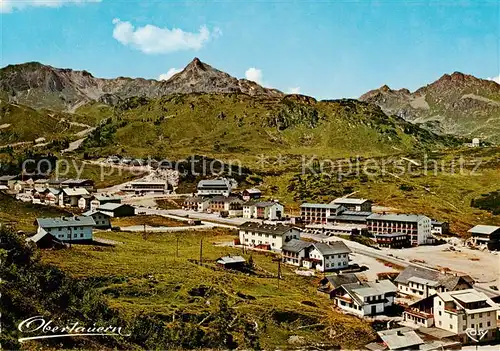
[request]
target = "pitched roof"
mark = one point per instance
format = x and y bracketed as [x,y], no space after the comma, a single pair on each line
[7,177]
[110,206]
[333,247]
[77,181]
[400,338]
[196,199]
[340,279]
[253,191]
[484,229]
[59,222]
[266,204]
[93,212]
[274,229]
[397,217]
[225,199]
[106,198]
[358,291]
[38,236]
[350,201]
[295,245]
[75,191]
[231,259]
[428,276]
[214,183]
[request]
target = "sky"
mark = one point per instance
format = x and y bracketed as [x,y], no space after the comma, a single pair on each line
[326,49]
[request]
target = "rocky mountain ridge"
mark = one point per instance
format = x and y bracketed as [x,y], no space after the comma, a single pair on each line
[456,103]
[42,86]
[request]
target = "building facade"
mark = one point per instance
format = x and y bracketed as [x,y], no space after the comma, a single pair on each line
[352,204]
[213,187]
[460,311]
[267,236]
[319,256]
[486,235]
[67,229]
[365,299]
[101,219]
[418,227]
[268,210]
[318,213]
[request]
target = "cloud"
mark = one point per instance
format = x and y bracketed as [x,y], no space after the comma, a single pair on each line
[155,40]
[495,79]
[7,6]
[169,74]
[254,74]
[295,90]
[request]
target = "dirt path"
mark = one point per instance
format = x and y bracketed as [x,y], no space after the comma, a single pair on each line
[74,145]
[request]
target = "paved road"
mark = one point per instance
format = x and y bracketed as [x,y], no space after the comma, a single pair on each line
[140,228]
[175,214]
[380,254]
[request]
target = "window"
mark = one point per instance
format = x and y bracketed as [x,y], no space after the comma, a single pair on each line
[480,315]
[451,327]
[471,316]
[480,325]
[440,313]
[81,235]
[489,324]
[472,325]
[439,303]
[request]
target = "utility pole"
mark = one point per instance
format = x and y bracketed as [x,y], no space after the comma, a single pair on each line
[70,236]
[279,272]
[201,251]
[177,247]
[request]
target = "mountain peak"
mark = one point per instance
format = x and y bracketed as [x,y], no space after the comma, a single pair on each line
[196,64]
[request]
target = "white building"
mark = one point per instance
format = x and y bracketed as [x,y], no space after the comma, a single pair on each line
[476,142]
[99,200]
[482,235]
[365,299]
[318,213]
[70,196]
[141,187]
[352,204]
[196,203]
[211,187]
[268,210]
[101,219]
[319,256]
[423,282]
[67,229]
[418,227]
[460,311]
[270,236]
[327,257]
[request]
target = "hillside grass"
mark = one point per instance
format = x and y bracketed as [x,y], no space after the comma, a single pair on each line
[103,176]
[21,215]
[444,195]
[23,124]
[239,126]
[149,220]
[143,275]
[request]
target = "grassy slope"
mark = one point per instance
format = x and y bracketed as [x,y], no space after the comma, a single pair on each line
[27,124]
[143,275]
[103,176]
[228,126]
[441,195]
[23,215]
